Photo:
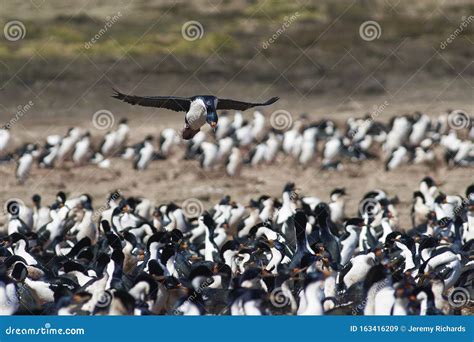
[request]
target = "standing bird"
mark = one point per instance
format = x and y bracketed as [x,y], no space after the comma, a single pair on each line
[234,164]
[199,109]
[82,150]
[4,138]
[25,162]
[144,153]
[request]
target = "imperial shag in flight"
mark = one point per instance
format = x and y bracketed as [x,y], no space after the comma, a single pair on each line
[199,109]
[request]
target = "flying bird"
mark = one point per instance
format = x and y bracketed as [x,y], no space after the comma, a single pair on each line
[200,109]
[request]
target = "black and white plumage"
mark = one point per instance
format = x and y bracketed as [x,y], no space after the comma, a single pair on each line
[233,259]
[408,139]
[200,109]
[144,153]
[82,150]
[25,162]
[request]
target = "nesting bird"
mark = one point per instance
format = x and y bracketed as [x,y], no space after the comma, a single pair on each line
[293,255]
[238,143]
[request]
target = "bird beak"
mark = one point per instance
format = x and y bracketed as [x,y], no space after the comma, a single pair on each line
[213,125]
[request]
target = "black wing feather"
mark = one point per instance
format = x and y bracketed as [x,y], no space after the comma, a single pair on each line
[239,105]
[178,104]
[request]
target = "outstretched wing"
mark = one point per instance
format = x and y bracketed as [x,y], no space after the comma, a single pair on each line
[239,105]
[178,104]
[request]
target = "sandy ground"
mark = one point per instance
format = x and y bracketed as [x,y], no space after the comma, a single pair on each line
[176,179]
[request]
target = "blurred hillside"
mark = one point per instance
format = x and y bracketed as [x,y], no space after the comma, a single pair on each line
[304,48]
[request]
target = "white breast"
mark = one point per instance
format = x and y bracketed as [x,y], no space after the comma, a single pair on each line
[196,116]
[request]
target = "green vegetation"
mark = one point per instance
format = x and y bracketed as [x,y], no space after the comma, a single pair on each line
[62,30]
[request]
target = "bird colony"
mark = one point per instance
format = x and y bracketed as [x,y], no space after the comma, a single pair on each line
[238,143]
[291,255]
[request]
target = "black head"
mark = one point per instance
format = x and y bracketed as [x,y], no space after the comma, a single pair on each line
[61,197]
[211,116]
[225,200]
[36,199]
[208,221]
[12,260]
[15,237]
[19,271]
[131,238]
[289,187]
[419,194]
[441,198]
[429,181]
[231,245]
[322,210]
[155,268]
[338,191]
[470,193]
